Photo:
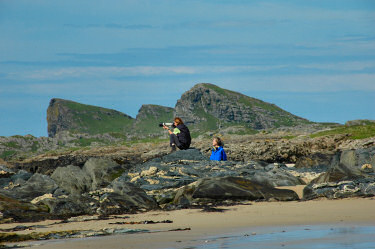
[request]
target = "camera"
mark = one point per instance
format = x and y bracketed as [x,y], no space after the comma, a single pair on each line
[166,124]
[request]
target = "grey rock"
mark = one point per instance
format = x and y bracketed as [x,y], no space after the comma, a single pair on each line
[20,211]
[232,188]
[339,172]
[5,172]
[95,174]
[276,178]
[346,165]
[135,196]
[72,179]
[342,189]
[356,158]
[4,182]
[36,186]
[314,160]
[102,172]
[345,177]
[70,206]
[115,203]
[21,177]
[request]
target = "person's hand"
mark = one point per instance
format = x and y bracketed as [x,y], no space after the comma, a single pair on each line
[165,127]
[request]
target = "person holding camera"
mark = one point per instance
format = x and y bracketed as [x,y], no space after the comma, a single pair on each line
[218,153]
[180,136]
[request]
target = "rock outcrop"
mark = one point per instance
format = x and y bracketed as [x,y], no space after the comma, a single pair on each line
[212,107]
[37,185]
[351,174]
[66,115]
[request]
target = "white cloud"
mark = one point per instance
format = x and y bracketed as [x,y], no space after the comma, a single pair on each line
[110,72]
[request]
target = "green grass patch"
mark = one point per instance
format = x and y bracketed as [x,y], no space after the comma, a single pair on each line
[244,131]
[289,137]
[97,120]
[117,174]
[211,122]
[216,88]
[7,154]
[35,146]
[356,131]
[153,115]
[12,144]
[155,140]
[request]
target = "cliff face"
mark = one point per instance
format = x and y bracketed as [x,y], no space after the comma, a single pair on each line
[65,115]
[214,107]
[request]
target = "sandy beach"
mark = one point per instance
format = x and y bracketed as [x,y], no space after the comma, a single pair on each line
[254,216]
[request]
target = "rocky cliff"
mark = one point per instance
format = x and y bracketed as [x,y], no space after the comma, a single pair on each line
[65,115]
[211,107]
[205,107]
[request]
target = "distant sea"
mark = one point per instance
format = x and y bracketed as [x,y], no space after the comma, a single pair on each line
[307,237]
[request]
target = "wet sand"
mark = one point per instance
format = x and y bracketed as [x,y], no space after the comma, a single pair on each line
[254,216]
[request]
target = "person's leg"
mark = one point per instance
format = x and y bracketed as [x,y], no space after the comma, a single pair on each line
[174,141]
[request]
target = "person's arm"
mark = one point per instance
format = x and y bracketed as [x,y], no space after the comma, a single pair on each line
[167,128]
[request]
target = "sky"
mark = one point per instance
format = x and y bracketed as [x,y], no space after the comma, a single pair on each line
[315,59]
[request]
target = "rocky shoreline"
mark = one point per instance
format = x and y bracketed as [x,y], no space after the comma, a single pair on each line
[123,180]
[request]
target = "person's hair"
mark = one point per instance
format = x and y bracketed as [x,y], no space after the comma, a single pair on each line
[219,141]
[178,120]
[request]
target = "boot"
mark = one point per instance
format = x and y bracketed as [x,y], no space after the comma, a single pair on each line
[173,148]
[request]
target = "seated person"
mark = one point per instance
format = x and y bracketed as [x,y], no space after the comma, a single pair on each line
[180,136]
[218,152]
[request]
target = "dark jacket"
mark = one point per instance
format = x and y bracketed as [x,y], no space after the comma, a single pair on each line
[184,136]
[218,154]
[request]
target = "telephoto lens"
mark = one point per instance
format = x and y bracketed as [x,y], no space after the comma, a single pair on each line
[166,124]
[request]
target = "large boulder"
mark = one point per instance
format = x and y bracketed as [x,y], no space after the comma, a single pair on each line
[339,172]
[346,177]
[348,165]
[274,175]
[72,205]
[128,196]
[96,173]
[230,188]
[72,179]
[357,158]
[276,178]
[37,185]
[21,177]
[102,172]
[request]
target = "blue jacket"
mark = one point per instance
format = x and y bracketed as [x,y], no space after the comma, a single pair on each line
[218,154]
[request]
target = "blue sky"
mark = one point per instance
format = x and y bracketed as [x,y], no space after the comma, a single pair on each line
[315,59]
